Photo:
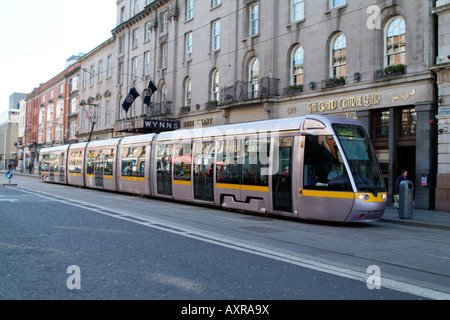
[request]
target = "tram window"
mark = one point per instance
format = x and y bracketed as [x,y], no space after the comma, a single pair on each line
[229,162]
[183,161]
[133,161]
[90,162]
[75,161]
[45,162]
[256,162]
[324,167]
[108,162]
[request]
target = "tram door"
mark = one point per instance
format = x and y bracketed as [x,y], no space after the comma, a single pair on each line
[327,192]
[204,171]
[282,177]
[98,169]
[164,169]
[62,167]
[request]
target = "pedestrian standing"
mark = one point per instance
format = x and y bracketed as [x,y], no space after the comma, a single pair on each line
[402,177]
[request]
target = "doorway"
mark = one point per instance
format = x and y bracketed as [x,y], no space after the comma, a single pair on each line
[406,159]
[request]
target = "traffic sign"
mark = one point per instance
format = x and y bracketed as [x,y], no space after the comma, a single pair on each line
[9,175]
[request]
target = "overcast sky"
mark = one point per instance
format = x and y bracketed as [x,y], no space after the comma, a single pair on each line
[38,36]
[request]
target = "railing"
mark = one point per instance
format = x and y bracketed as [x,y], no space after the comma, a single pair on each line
[333,82]
[248,90]
[391,71]
[159,109]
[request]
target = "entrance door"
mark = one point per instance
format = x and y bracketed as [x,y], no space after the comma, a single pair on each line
[98,169]
[406,159]
[282,179]
[204,171]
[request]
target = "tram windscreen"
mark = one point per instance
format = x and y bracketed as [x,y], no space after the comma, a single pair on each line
[361,158]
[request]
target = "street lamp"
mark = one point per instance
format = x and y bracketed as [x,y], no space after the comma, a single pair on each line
[90,117]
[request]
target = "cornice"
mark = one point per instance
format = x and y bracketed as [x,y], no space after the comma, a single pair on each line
[140,16]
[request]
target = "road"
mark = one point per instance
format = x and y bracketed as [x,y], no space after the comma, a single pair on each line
[61,242]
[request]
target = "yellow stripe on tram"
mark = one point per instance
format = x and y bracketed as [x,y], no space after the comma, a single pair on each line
[242,187]
[328,194]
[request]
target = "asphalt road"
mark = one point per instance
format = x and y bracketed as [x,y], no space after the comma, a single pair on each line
[60,242]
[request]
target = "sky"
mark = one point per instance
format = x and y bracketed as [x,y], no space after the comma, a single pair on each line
[38,36]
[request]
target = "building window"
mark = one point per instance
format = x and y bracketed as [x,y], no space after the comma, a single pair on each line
[254,78]
[121,45]
[215,85]
[164,56]
[108,67]
[381,124]
[148,31]
[188,46]
[189,9]
[215,3]
[147,63]
[187,92]
[215,35]
[134,70]
[73,105]
[407,123]
[165,24]
[135,38]
[91,76]
[107,113]
[136,7]
[297,10]
[254,19]
[396,42]
[336,3]
[297,66]
[338,56]
[100,71]
[120,75]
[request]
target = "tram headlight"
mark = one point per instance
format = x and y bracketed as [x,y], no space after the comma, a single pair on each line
[384,196]
[363,196]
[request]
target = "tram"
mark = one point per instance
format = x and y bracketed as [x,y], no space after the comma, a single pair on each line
[312,167]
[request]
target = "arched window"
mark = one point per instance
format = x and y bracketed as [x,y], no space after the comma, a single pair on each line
[253,78]
[338,55]
[396,42]
[297,66]
[187,92]
[215,85]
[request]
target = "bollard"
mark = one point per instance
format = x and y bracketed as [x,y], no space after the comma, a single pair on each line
[406,200]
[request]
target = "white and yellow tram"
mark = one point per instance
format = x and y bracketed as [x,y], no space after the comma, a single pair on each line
[313,167]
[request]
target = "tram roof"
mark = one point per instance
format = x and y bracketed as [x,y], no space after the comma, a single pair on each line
[265,126]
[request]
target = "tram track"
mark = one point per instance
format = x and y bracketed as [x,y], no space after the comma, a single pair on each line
[252,240]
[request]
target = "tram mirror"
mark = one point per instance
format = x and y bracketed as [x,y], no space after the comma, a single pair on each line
[307,132]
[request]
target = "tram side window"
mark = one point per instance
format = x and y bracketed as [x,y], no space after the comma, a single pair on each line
[324,167]
[133,161]
[256,162]
[108,162]
[90,162]
[45,162]
[229,163]
[75,161]
[183,161]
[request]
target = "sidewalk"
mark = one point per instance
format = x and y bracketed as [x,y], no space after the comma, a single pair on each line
[422,218]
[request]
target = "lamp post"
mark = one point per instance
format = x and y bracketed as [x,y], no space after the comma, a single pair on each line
[90,116]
